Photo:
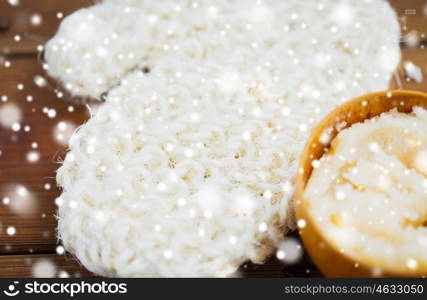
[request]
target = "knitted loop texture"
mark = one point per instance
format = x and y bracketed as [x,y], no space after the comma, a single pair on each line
[187,168]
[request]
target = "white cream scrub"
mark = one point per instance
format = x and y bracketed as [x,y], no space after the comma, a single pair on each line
[368,194]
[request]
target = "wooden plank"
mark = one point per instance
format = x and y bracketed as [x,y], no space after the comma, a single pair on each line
[273,268]
[27,170]
[412,16]
[50,265]
[19,21]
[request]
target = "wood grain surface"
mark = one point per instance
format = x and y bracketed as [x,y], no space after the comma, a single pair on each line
[17,21]
[25,180]
[29,155]
[36,265]
[412,17]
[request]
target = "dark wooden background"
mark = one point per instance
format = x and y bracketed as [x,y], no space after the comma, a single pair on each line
[35,238]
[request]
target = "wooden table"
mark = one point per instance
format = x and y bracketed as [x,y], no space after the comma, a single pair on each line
[29,155]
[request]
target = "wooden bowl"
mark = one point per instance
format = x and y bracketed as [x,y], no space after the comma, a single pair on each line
[330,261]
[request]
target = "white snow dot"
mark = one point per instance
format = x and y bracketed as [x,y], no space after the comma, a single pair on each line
[246,136]
[421,161]
[195,117]
[301,223]
[268,194]
[90,149]
[232,240]
[411,263]
[290,251]
[189,153]
[413,71]
[21,191]
[168,254]
[60,250]
[340,195]
[62,126]
[374,147]
[286,111]
[10,113]
[36,20]
[13,2]
[63,274]
[44,268]
[315,163]
[303,127]
[59,201]
[11,230]
[262,227]
[280,254]
[16,126]
[182,202]
[33,156]
[169,147]
[40,81]
[51,113]
[161,186]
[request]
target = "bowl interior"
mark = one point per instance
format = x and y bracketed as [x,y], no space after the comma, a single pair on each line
[354,111]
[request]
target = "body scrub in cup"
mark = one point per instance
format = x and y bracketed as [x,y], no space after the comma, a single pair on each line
[369,191]
[366,197]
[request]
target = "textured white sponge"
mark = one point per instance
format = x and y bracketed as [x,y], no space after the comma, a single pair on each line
[162,181]
[188,170]
[330,42]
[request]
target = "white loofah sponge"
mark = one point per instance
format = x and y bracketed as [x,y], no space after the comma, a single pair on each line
[155,187]
[187,170]
[288,43]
